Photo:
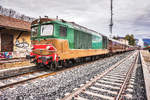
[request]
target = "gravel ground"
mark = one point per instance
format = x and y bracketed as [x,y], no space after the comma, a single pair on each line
[103,89]
[136,87]
[53,87]
[139,92]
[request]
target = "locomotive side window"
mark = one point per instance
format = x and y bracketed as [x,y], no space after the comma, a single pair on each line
[63,31]
[46,30]
[34,31]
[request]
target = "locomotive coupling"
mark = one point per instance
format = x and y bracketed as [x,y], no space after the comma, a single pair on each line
[45,60]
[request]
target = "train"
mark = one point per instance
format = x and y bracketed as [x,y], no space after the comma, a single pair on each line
[56,42]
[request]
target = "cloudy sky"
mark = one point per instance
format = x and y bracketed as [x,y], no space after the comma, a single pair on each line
[130,16]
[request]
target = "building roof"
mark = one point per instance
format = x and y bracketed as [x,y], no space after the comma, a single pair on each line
[13,23]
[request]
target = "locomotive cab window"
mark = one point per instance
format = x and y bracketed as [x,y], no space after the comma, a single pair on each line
[47,30]
[34,31]
[63,31]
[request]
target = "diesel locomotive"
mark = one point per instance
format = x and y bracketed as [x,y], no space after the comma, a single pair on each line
[58,42]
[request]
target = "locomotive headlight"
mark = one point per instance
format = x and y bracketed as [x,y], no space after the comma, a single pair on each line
[48,47]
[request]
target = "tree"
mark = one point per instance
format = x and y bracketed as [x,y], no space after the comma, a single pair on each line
[116,37]
[130,38]
[14,14]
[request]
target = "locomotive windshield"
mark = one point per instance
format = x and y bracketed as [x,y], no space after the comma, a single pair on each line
[47,30]
[34,31]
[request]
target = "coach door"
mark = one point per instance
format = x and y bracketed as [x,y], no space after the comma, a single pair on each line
[6,42]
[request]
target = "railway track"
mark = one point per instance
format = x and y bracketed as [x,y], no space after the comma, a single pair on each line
[18,79]
[114,83]
[39,73]
[26,81]
[22,78]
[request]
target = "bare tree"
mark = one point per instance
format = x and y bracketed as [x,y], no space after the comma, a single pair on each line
[14,14]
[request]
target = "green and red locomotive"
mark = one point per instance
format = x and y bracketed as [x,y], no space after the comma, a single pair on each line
[58,42]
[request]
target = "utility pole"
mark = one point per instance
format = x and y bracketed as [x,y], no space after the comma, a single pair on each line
[111,19]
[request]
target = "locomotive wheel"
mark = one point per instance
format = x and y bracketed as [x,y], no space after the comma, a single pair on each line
[39,65]
[70,62]
[92,58]
[81,60]
[65,64]
[50,66]
[74,62]
[54,65]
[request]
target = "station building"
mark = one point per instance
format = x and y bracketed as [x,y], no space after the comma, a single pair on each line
[14,37]
[122,40]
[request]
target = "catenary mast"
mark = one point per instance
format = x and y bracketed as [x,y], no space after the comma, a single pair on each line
[111,19]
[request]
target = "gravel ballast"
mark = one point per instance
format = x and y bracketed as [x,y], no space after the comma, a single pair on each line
[56,86]
[139,92]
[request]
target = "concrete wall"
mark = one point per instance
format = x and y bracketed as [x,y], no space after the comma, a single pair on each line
[21,45]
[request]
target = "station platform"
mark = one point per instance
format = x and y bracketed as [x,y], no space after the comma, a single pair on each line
[11,67]
[145,60]
[12,63]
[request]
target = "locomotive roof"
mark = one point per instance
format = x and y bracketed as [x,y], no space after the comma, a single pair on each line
[42,20]
[77,26]
[66,23]
[72,25]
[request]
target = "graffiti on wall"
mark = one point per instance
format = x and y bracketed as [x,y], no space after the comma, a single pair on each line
[5,55]
[22,44]
[22,48]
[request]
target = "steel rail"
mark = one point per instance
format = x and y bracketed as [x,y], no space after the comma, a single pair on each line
[22,74]
[127,78]
[44,75]
[82,88]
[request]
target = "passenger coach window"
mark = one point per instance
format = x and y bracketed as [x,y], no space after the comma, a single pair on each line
[63,31]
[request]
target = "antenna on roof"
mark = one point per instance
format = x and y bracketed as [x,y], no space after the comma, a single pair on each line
[56,17]
[39,19]
[46,16]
